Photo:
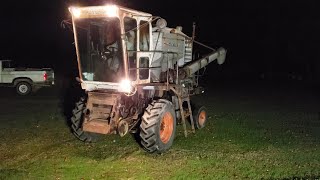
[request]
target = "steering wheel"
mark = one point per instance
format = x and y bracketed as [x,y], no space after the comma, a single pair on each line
[108,52]
[111,49]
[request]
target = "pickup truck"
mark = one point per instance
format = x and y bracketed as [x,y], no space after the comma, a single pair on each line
[25,80]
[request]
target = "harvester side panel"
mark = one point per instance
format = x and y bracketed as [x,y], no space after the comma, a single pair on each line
[170,48]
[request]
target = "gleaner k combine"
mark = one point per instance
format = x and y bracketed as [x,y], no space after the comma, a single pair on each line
[138,76]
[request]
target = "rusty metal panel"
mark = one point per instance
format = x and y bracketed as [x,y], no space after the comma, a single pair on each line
[101,113]
[102,98]
[97,126]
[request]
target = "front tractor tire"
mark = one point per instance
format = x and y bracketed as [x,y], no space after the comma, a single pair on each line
[158,126]
[76,123]
[200,117]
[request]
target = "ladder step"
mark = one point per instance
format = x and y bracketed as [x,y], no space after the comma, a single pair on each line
[186,114]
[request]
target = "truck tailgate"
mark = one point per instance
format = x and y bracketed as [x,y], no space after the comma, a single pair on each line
[48,75]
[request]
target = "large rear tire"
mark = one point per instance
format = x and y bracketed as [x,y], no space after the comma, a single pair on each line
[158,126]
[76,123]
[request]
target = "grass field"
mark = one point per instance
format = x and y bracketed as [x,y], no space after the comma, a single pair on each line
[252,133]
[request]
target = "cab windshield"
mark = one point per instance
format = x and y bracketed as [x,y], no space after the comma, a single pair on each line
[99,49]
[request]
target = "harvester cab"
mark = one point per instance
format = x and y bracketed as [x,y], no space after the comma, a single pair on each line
[111,46]
[138,75]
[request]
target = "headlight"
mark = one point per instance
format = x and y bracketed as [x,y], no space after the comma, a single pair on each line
[111,10]
[76,12]
[125,86]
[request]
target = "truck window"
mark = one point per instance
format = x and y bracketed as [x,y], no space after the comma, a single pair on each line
[6,64]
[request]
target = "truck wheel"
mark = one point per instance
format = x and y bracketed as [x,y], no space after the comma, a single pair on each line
[158,126]
[23,88]
[76,123]
[200,116]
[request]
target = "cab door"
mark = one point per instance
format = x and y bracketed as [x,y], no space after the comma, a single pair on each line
[143,54]
[137,34]
[131,38]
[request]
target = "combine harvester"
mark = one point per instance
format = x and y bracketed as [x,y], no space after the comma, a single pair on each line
[138,76]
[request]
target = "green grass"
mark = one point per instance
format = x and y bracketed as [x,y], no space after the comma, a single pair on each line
[242,140]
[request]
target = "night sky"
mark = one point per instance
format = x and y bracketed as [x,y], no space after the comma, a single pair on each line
[262,37]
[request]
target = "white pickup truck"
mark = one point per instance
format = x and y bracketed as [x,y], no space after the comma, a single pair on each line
[25,80]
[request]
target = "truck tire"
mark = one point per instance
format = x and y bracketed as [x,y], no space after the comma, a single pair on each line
[158,126]
[200,116]
[23,88]
[76,123]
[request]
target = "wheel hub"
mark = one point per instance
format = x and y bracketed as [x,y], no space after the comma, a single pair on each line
[166,127]
[23,88]
[202,118]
